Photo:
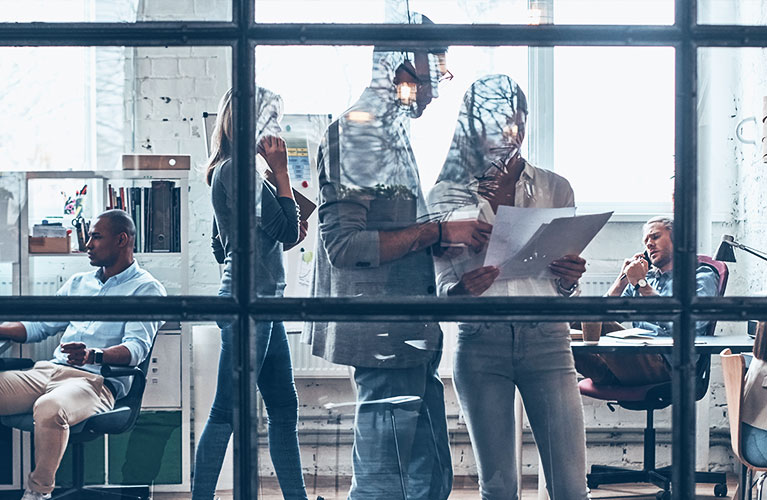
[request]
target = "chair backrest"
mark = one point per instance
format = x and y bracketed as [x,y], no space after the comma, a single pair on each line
[724,274]
[733,369]
[138,384]
[703,368]
[123,416]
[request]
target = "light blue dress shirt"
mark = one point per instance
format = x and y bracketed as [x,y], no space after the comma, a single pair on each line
[136,336]
[706,280]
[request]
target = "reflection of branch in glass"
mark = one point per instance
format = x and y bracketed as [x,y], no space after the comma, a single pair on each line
[485,146]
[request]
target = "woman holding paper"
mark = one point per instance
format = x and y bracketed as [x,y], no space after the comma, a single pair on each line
[484,171]
[278,223]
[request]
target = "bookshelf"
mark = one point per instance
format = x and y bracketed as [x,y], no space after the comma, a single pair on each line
[167,400]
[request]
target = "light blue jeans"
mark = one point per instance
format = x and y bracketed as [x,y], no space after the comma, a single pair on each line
[278,390]
[422,436]
[491,360]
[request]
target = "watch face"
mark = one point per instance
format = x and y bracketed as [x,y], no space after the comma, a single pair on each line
[642,283]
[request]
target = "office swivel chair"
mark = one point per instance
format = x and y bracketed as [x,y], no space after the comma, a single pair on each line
[649,398]
[120,419]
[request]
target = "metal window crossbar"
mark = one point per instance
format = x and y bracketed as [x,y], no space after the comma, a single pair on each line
[384,308]
[394,35]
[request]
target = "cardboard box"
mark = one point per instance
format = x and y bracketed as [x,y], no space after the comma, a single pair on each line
[39,244]
[156,162]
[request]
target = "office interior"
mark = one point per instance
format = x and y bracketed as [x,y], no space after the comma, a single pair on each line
[612,108]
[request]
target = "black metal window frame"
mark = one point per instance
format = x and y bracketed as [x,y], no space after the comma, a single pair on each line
[242,34]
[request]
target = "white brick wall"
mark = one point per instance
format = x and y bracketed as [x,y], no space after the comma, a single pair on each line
[175,86]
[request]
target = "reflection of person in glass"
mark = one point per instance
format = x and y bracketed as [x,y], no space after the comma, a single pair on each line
[372,245]
[484,169]
[277,224]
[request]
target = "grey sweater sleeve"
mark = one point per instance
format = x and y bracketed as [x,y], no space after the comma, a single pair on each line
[279,216]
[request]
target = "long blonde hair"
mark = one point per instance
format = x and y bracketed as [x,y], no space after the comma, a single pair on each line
[221,140]
[268,115]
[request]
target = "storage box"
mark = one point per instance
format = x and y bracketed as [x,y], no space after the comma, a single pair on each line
[156,162]
[39,244]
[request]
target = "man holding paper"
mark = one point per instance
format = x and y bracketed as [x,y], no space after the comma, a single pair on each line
[485,172]
[374,241]
[646,274]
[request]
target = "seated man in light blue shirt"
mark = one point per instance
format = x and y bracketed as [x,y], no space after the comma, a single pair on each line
[69,388]
[640,278]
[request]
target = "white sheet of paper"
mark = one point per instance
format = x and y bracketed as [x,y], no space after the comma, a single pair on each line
[514,226]
[632,332]
[561,236]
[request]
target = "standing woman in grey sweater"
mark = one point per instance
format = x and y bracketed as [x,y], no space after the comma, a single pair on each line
[277,223]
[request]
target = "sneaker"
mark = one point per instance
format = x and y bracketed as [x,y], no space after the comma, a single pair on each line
[33,495]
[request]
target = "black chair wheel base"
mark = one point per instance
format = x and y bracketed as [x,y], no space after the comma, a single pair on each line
[720,490]
[663,495]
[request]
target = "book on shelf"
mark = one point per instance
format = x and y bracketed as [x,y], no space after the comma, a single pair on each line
[156,211]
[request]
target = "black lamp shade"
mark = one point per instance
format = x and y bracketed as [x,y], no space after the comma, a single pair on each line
[725,252]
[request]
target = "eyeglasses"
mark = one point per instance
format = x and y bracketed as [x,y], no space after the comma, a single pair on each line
[444,73]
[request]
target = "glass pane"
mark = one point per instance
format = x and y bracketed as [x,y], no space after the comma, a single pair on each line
[126,130]
[108,11]
[743,12]
[632,89]
[392,11]
[462,12]
[612,12]
[580,131]
[731,160]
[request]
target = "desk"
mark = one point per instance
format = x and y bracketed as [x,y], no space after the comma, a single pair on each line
[5,345]
[703,345]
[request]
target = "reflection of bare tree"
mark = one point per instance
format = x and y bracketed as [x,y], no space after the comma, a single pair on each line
[110,104]
[489,132]
[31,96]
[21,99]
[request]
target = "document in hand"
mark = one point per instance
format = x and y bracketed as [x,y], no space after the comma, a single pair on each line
[562,236]
[514,226]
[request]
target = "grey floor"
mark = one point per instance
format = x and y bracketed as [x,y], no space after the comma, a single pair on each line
[467,490]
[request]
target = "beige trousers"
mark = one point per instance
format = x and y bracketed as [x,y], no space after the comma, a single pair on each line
[58,396]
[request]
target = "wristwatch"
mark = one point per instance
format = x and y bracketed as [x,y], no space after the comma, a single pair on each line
[567,292]
[98,356]
[641,283]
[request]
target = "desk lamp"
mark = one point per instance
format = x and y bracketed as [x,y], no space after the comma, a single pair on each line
[725,252]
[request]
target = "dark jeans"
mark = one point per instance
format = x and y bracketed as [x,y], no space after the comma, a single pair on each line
[275,381]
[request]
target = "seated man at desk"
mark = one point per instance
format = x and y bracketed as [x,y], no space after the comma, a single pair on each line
[646,274]
[69,388]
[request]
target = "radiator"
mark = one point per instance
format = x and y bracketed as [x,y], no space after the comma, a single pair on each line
[596,285]
[305,364]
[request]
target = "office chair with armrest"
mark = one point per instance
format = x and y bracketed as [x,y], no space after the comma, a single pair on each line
[649,398]
[120,419]
[734,371]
